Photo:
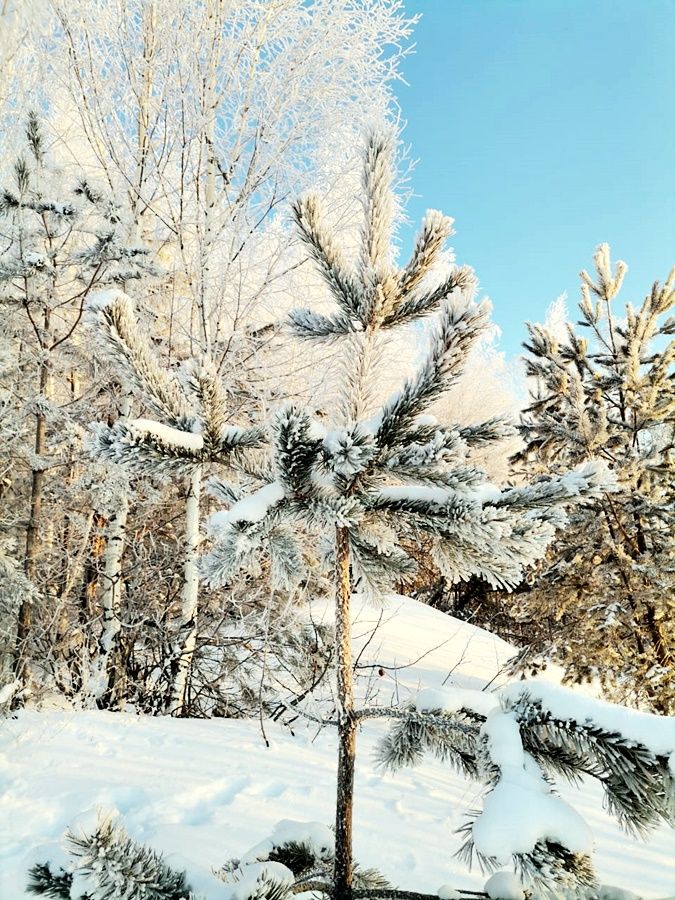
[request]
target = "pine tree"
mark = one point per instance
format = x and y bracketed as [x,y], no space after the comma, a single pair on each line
[379,472]
[606,389]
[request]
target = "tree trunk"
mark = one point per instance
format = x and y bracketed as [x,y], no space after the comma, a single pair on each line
[186,637]
[106,673]
[343,869]
[25,619]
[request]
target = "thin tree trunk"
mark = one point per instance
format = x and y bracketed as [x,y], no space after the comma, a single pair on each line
[92,569]
[186,637]
[25,619]
[106,675]
[143,119]
[343,869]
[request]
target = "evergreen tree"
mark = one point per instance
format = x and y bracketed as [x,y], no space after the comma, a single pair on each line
[607,587]
[378,473]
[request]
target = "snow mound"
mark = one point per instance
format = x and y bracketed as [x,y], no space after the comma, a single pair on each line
[504,886]
[202,792]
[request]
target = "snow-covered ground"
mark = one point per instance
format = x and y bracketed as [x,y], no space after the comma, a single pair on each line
[205,791]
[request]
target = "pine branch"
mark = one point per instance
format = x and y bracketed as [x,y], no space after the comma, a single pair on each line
[377,205]
[296,451]
[307,324]
[425,303]
[327,256]
[42,880]
[129,349]
[436,229]
[122,868]
[459,325]
[638,785]
[142,452]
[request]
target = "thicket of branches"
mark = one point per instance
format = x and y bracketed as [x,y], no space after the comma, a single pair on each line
[167,179]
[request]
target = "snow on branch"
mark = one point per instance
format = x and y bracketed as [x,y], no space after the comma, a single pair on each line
[460,322]
[522,815]
[586,482]
[148,448]
[518,738]
[168,436]
[116,328]
[252,508]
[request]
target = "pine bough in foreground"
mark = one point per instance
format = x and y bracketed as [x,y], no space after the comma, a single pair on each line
[109,865]
[383,470]
[297,858]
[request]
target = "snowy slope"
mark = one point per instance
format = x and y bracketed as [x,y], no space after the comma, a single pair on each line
[204,791]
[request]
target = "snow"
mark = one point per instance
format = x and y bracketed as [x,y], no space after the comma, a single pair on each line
[8,691]
[607,892]
[521,810]
[655,732]
[479,494]
[486,493]
[98,300]
[252,508]
[593,472]
[203,792]
[425,421]
[447,892]
[316,431]
[253,875]
[452,699]
[313,834]
[504,886]
[426,493]
[168,435]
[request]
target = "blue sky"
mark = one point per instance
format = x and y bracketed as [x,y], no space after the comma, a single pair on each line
[545,127]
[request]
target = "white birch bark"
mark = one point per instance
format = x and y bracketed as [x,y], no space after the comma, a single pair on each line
[104,676]
[186,633]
